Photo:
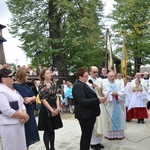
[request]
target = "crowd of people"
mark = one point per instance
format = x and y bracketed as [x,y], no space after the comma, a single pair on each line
[18,127]
[102,102]
[126,98]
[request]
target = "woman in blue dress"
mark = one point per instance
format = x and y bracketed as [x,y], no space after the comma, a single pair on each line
[21,86]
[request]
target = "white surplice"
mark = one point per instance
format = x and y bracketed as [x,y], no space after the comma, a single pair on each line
[100,127]
[115,108]
[138,99]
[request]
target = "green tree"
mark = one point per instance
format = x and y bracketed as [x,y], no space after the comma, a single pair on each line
[69,32]
[133,17]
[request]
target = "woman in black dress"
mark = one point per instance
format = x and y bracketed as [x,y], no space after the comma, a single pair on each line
[49,117]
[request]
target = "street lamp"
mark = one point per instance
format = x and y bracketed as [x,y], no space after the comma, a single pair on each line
[106,51]
[37,60]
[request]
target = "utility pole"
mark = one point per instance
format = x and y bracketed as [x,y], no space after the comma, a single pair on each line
[106,51]
[37,60]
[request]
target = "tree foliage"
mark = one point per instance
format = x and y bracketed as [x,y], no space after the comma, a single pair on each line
[133,18]
[69,32]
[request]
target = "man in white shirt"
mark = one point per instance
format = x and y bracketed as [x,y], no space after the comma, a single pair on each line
[99,130]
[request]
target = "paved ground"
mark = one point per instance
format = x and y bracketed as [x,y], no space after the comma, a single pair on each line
[67,138]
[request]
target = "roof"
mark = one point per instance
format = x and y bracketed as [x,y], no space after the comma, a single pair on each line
[2,26]
[2,39]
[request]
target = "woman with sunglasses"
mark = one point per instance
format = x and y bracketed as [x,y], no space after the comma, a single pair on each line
[12,114]
[25,91]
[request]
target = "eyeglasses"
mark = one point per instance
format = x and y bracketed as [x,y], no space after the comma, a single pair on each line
[95,72]
[86,76]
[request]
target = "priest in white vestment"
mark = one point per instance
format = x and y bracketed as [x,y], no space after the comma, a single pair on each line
[100,126]
[115,107]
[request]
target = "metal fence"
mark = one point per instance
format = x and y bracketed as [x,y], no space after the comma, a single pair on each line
[72,79]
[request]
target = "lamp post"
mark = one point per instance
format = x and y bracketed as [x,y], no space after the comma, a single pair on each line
[106,51]
[37,61]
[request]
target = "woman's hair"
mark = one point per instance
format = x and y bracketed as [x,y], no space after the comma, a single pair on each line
[80,72]
[21,75]
[4,73]
[42,74]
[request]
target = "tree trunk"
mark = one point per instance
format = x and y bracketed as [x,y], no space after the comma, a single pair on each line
[55,34]
[137,64]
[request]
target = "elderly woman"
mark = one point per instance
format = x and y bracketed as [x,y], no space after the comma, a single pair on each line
[12,114]
[86,107]
[25,91]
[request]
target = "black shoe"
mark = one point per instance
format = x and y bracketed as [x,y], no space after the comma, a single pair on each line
[100,145]
[138,121]
[95,147]
[142,121]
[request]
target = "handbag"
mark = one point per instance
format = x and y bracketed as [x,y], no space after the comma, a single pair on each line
[14,105]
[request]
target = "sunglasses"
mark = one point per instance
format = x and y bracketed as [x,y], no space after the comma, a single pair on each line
[95,72]
[10,76]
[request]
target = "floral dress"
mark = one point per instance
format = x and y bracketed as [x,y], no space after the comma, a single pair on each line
[46,121]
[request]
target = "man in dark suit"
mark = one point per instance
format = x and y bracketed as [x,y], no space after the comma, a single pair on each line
[86,107]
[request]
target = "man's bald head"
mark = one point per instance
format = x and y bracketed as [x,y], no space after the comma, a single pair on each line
[94,71]
[138,75]
[146,74]
[94,68]
[111,76]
